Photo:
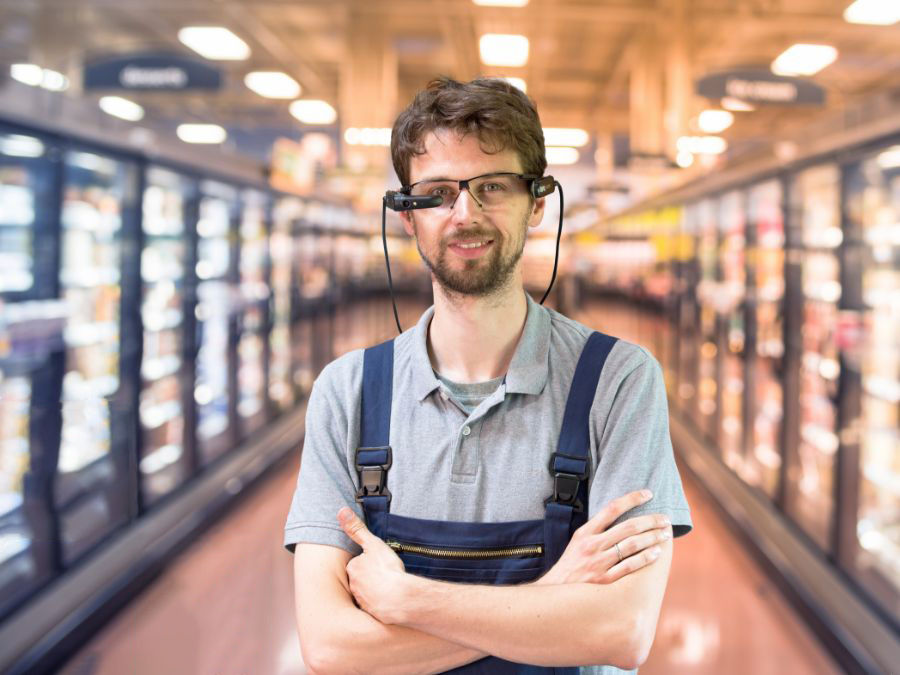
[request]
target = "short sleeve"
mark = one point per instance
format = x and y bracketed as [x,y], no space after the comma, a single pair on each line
[325,482]
[635,451]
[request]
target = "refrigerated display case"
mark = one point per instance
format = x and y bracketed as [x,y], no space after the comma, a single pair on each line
[764,387]
[287,211]
[688,312]
[99,192]
[731,308]
[165,460]
[706,412]
[873,201]
[252,347]
[30,328]
[810,487]
[214,384]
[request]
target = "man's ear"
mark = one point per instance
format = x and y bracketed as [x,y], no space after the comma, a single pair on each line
[407,218]
[537,212]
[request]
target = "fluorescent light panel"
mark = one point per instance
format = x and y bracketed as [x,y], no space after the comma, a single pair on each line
[804,59]
[702,145]
[201,133]
[312,111]
[558,156]
[35,76]
[714,121]
[215,43]
[873,12]
[368,136]
[736,104]
[121,108]
[272,84]
[503,50]
[562,136]
[501,3]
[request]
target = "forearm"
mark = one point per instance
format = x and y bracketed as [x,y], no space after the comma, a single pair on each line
[352,641]
[553,625]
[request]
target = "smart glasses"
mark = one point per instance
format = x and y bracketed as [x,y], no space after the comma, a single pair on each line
[488,191]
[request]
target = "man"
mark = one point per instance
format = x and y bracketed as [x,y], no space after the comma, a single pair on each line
[474,415]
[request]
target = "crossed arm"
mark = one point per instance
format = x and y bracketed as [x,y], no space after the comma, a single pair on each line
[366,614]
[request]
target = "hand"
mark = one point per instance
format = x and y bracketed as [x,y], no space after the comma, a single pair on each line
[592,556]
[377,574]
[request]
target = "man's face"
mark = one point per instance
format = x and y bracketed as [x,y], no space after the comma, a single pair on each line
[470,250]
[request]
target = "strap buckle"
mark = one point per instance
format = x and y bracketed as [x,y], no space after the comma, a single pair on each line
[566,484]
[373,477]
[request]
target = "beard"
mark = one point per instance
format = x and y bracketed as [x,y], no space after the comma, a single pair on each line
[479,277]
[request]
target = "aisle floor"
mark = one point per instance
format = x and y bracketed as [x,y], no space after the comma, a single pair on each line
[225,606]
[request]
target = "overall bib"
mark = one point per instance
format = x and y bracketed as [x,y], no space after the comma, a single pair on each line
[480,553]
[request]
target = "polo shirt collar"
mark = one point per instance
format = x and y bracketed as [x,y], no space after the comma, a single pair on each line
[527,371]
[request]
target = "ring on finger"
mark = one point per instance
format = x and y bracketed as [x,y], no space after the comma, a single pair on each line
[618,553]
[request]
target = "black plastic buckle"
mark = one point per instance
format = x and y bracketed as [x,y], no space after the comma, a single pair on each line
[373,478]
[565,486]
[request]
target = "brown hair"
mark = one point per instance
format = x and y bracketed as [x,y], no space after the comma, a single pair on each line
[501,115]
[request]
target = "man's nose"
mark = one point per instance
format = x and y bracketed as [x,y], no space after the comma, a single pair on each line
[466,205]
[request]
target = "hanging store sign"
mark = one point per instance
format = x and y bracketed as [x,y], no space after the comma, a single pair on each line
[761,86]
[151,72]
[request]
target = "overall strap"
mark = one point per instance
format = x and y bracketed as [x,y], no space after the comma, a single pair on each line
[570,464]
[373,456]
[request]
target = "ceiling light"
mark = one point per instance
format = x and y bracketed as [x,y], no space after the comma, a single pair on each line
[714,121]
[562,155]
[501,3]
[803,59]
[121,108]
[873,12]
[214,42]
[54,81]
[35,76]
[517,82]
[272,84]
[14,145]
[702,145]
[559,136]
[684,159]
[890,158]
[368,136]
[312,111]
[503,50]
[736,104]
[201,133]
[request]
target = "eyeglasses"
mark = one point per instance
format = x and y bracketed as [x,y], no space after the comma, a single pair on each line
[490,190]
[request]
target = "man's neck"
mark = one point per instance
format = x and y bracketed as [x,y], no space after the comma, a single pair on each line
[473,339]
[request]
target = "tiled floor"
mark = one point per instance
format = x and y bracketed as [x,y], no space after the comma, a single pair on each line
[225,606]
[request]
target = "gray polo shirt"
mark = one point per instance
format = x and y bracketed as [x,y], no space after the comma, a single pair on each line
[490,465]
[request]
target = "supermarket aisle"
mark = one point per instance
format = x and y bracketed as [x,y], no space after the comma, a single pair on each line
[225,606]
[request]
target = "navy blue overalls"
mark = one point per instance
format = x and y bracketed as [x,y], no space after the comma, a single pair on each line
[483,553]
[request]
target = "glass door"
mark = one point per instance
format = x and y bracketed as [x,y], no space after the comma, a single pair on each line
[810,487]
[707,377]
[30,329]
[732,223]
[874,202]
[97,193]
[286,212]
[254,289]
[216,302]
[766,225]
[164,462]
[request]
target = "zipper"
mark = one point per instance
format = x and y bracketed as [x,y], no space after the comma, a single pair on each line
[479,554]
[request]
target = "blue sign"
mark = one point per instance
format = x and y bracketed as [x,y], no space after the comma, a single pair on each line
[151,72]
[757,85]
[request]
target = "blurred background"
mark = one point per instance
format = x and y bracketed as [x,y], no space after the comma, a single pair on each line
[190,204]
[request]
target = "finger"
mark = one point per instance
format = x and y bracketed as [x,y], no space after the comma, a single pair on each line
[354,527]
[636,525]
[616,508]
[639,542]
[633,563]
